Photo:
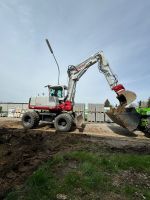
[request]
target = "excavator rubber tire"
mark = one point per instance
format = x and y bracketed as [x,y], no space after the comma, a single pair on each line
[63,122]
[30,120]
[36,115]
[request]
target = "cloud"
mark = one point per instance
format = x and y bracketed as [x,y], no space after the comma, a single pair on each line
[76,30]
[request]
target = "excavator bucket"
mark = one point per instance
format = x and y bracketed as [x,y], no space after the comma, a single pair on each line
[126,97]
[126,117]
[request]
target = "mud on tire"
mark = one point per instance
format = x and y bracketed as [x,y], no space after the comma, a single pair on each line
[30,120]
[36,115]
[63,122]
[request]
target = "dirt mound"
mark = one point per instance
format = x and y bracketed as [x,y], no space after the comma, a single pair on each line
[20,154]
[22,151]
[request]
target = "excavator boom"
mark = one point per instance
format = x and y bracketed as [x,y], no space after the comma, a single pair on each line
[119,115]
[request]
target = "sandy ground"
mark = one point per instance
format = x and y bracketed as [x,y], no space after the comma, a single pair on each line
[101,129]
[22,151]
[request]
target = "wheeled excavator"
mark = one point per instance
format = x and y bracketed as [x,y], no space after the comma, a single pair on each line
[57,107]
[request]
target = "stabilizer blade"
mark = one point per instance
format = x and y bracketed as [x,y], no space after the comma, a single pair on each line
[79,120]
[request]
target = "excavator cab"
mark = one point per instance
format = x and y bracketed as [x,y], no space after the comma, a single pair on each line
[58,91]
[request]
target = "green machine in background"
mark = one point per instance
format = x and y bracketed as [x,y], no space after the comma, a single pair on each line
[145,119]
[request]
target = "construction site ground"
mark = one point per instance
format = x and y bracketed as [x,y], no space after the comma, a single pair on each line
[22,151]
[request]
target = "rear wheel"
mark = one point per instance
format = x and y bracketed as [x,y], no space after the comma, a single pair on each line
[30,120]
[63,122]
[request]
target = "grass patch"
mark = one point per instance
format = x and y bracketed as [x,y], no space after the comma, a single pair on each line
[84,175]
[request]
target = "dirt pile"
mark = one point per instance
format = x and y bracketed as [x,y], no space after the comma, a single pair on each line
[22,151]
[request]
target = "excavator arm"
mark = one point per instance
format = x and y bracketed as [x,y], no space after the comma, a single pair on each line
[126,118]
[76,72]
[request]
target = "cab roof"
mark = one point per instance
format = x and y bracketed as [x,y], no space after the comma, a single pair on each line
[57,86]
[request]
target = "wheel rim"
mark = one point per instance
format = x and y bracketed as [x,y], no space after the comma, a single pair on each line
[62,122]
[27,119]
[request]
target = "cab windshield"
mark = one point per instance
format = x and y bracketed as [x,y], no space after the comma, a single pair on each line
[57,92]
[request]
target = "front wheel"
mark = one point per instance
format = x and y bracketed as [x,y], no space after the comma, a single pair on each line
[63,122]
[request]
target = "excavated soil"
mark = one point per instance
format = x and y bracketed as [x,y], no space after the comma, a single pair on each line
[22,151]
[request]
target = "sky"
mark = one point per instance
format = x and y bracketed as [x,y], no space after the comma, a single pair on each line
[76,30]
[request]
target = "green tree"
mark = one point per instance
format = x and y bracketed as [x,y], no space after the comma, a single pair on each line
[140,103]
[107,103]
[0,109]
[148,103]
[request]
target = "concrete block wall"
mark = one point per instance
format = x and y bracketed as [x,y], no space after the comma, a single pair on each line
[100,117]
[91,113]
[94,113]
[99,112]
[91,107]
[91,117]
[99,108]
[79,107]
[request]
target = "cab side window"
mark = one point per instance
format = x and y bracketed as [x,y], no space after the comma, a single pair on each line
[59,93]
[52,92]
